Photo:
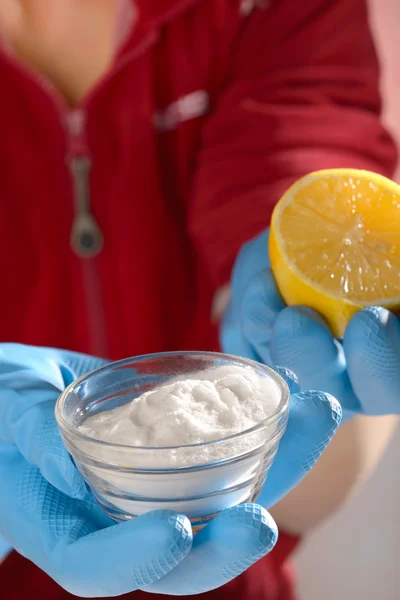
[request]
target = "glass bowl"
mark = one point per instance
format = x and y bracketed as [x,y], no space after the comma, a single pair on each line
[197,480]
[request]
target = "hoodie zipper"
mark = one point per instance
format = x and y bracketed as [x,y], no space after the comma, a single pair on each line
[86,239]
[86,236]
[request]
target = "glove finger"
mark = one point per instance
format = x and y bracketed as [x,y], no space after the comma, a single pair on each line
[35,433]
[33,512]
[30,382]
[73,364]
[252,258]
[229,545]
[261,305]
[23,366]
[125,557]
[76,543]
[372,350]
[30,367]
[5,548]
[290,378]
[37,437]
[313,420]
[231,337]
[302,341]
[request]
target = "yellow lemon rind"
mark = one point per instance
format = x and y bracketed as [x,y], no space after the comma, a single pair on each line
[294,286]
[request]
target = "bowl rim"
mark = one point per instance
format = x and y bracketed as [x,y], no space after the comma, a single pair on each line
[73,433]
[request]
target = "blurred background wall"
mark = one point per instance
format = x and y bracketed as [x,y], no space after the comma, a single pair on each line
[356,555]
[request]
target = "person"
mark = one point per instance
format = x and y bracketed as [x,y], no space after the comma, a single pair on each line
[143,145]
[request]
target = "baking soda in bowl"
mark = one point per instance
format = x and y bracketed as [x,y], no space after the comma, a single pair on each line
[204,407]
[199,442]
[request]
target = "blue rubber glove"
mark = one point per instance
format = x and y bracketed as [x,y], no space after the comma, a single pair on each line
[5,548]
[362,372]
[46,511]
[48,515]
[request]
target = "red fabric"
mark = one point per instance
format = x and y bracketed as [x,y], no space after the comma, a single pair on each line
[293,87]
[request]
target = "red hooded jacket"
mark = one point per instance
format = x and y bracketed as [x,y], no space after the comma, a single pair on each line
[120,219]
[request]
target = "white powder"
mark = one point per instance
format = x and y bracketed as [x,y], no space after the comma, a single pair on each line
[196,480]
[206,406]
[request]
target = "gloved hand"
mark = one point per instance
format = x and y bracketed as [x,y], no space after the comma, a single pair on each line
[49,516]
[362,372]
[46,511]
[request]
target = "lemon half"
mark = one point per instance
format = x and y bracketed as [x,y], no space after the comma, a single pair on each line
[335,244]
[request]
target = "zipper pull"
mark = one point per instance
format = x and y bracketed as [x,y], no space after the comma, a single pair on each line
[86,237]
